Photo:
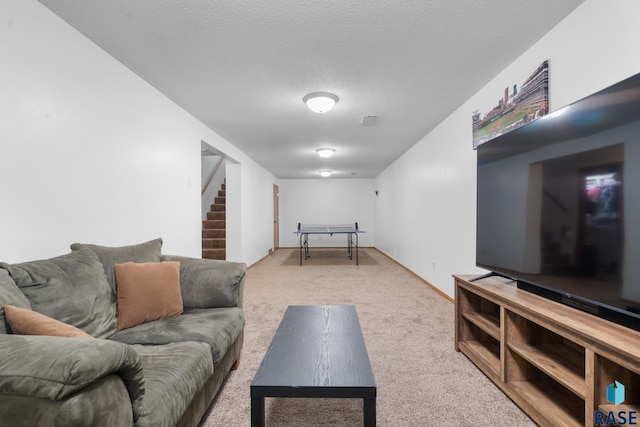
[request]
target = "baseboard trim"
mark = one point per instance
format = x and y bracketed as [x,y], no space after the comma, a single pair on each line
[435,289]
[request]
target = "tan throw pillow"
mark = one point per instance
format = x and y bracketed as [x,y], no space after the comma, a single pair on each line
[28,322]
[147,291]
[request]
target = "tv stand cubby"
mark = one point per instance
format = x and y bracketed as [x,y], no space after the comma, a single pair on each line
[553,361]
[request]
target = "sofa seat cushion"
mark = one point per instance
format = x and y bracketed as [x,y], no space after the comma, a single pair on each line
[173,375]
[71,288]
[218,327]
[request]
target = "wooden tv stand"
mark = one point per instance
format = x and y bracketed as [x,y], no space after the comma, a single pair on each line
[555,362]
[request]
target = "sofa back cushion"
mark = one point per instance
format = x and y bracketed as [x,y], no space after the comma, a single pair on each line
[209,283]
[70,288]
[109,256]
[9,294]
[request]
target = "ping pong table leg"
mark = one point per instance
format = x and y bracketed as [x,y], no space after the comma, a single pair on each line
[306,246]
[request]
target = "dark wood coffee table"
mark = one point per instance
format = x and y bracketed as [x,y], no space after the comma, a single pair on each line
[317,351]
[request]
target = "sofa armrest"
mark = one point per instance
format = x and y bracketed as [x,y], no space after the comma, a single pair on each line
[56,367]
[104,403]
[208,283]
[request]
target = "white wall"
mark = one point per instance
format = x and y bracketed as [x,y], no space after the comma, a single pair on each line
[92,153]
[256,202]
[326,201]
[425,214]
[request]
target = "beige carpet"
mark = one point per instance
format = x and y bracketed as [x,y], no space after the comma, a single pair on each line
[408,329]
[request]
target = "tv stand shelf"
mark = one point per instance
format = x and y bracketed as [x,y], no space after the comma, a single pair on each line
[553,361]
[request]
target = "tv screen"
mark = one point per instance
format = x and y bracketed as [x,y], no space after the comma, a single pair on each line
[558,204]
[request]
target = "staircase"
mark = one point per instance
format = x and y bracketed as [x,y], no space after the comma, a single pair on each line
[554,261]
[214,229]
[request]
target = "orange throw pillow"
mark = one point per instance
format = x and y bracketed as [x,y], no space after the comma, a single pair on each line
[28,322]
[147,291]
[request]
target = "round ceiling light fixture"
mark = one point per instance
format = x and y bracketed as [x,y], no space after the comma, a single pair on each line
[320,102]
[325,152]
[325,173]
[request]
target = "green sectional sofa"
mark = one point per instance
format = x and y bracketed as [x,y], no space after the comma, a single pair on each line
[159,372]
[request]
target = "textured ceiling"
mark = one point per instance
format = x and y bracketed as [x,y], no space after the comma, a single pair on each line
[242,67]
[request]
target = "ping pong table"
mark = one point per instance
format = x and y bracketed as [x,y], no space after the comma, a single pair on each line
[350,230]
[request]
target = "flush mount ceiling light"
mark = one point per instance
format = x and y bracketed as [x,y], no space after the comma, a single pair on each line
[325,173]
[325,152]
[320,102]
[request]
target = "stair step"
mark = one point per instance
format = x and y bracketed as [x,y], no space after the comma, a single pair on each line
[215,224]
[551,248]
[558,259]
[220,216]
[546,237]
[214,243]
[214,254]
[213,233]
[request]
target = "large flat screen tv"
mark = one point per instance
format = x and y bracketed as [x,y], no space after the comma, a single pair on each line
[558,204]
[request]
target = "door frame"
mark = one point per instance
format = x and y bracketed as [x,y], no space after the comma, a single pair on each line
[276,217]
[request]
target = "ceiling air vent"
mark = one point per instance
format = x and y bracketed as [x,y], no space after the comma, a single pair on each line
[367,120]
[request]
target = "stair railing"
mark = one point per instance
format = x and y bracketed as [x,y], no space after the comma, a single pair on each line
[213,173]
[555,201]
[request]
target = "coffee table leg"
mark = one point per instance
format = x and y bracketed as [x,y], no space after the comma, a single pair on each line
[257,412]
[369,412]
